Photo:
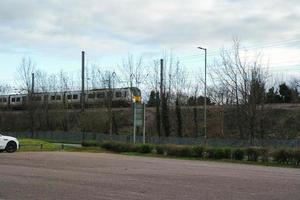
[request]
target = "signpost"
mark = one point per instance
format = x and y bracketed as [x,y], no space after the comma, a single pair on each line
[139,120]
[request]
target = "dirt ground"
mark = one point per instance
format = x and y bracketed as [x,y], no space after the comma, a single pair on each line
[62,175]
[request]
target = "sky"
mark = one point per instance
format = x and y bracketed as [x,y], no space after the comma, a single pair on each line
[54,32]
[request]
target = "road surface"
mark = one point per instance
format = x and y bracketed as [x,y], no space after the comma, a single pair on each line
[65,175]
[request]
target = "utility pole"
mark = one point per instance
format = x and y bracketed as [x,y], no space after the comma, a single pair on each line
[82,81]
[161,92]
[32,83]
[110,96]
[205,110]
[109,104]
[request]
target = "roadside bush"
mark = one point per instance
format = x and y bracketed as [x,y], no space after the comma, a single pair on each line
[215,153]
[90,143]
[283,156]
[264,154]
[187,151]
[198,151]
[144,148]
[160,149]
[252,154]
[179,151]
[238,154]
[118,147]
[227,153]
[297,156]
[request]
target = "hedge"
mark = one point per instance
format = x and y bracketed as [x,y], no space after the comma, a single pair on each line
[253,154]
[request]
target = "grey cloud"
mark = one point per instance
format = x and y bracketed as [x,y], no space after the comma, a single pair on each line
[111,26]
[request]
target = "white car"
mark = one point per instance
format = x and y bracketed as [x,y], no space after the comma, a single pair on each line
[8,144]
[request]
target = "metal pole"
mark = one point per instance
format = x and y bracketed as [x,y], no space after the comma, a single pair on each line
[144,125]
[134,122]
[82,81]
[161,94]
[205,109]
[32,83]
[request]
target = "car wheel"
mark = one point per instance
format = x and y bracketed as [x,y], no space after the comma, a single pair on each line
[11,147]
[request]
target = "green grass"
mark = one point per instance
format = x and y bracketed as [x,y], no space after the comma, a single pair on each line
[37,145]
[42,145]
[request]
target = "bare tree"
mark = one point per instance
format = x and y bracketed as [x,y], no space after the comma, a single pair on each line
[24,73]
[245,84]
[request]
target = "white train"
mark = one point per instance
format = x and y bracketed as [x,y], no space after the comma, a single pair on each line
[119,97]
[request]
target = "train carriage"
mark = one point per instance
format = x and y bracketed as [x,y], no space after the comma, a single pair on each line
[117,97]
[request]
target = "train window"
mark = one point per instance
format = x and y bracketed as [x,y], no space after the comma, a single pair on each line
[4,100]
[69,96]
[13,99]
[118,94]
[58,97]
[18,99]
[100,95]
[24,99]
[52,98]
[75,96]
[91,96]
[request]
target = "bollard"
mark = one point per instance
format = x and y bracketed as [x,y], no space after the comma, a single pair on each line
[41,146]
[62,146]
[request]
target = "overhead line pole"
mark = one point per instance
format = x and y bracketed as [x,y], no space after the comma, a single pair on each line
[205,109]
[161,92]
[82,81]
[32,83]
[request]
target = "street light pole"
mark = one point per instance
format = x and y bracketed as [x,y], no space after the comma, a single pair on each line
[205,110]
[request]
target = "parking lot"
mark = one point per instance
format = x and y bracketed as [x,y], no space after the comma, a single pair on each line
[65,175]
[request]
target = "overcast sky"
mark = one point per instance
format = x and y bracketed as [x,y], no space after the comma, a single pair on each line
[54,32]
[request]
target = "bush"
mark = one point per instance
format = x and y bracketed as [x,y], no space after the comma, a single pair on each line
[118,147]
[297,156]
[90,143]
[238,154]
[227,153]
[179,151]
[144,148]
[198,151]
[215,153]
[187,151]
[264,154]
[252,154]
[160,149]
[283,156]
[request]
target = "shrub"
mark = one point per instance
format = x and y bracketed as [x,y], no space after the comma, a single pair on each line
[252,154]
[283,156]
[179,151]
[297,156]
[186,151]
[144,148]
[238,154]
[90,143]
[227,153]
[264,154]
[198,151]
[118,146]
[160,149]
[215,153]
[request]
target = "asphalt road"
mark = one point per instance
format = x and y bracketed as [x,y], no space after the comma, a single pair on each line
[62,175]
